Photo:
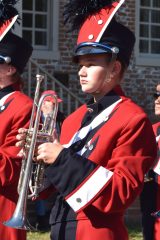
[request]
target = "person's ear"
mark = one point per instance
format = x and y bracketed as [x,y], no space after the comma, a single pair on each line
[116,69]
[11,70]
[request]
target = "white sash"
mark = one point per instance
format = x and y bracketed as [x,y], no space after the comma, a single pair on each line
[156,169]
[102,117]
[2,100]
[157,138]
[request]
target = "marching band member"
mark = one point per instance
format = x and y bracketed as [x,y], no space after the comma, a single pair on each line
[48,106]
[15,111]
[98,166]
[156,128]
[151,206]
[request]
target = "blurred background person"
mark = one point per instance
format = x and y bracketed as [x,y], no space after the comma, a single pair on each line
[15,112]
[156,128]
[150,196]
[48,106]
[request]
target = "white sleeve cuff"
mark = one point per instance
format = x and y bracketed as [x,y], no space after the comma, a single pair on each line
[89,189]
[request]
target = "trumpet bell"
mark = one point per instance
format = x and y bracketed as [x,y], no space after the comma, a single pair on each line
[18,222]
[19,218]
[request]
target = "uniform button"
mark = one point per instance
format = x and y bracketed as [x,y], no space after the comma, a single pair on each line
[2,108]
[79,200]
[91,147]
[91,36]
[115,50]
[105,119]
[100,21]
[90,110]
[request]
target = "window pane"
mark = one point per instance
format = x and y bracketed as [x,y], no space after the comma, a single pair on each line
[144,46]
[144,30]
[156,3]
[155,32]
[41,5]
[155,16]
[27,20]
[155,47]
[36,22]
[41,21]
[144,15]
[27,35]
[27,4]
[145,3]
[40,38]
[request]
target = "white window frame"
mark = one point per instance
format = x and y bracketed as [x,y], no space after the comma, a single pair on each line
[143,59]
[53,53]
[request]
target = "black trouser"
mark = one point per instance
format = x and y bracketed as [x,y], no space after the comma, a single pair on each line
[64,231]
[148,206]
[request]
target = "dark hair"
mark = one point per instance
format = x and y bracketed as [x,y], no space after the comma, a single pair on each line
[16,78]
[124,66]
[111,58]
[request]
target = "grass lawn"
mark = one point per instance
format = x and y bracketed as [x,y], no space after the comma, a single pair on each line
[135,234]
[38,236]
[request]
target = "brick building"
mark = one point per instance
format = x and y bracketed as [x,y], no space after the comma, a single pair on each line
[42,25]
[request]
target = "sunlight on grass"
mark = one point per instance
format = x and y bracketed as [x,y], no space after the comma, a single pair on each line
[38,236]
[134,234]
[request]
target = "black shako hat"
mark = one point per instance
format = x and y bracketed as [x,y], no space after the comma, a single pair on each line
[17,49]
[121,37]
[99,31]
[13,49]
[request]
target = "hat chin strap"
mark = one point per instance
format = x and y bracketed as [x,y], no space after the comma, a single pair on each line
[5,59]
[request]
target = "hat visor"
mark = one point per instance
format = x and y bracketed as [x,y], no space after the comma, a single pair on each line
[88,51]
[88,48]
[59,100]
[50,99]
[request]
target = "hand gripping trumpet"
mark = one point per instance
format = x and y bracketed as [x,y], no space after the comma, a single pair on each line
[32,174]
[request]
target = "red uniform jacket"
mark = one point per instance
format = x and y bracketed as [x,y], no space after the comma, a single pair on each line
[101,170]
[15,113]
[157,220]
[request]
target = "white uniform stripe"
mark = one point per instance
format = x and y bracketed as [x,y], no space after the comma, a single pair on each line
[156,169]
[157,138]
[2,101]
[109,19]
[103,116]
[89,189]
[2,34]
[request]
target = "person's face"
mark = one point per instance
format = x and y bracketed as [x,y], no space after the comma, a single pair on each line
[47,107]
[95,74]
[157,101]
[6,74]
[4,68]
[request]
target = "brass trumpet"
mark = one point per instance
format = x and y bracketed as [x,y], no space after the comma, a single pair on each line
[32,174]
